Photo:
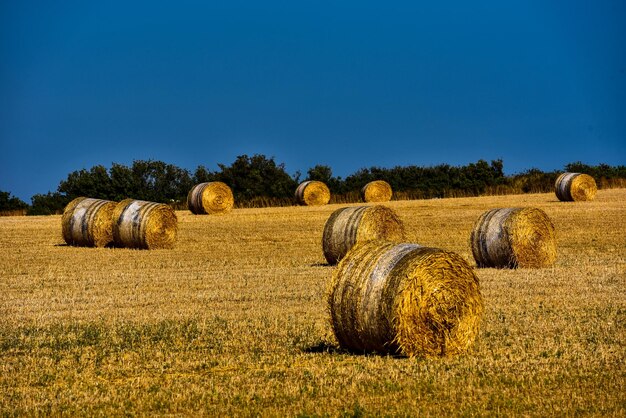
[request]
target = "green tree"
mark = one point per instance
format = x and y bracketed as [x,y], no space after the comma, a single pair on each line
[324,174]
[202,175]
[257,176]
[534,181]
[48,204]
[600,171]
[122,182]
[157,181]
[11,203]
[94,183]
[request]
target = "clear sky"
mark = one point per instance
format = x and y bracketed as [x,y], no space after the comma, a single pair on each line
[349,84]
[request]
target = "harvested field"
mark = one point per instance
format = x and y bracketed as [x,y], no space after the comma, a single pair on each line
[233,321]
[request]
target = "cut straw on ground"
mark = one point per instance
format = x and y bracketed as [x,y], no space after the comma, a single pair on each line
[404,299]
[376,191]
[212,197]
[514,237]
[146,225]
[575,187]
[88,222]
[312,193]
[350,225]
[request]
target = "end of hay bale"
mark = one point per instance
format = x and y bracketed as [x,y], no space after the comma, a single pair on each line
[347,226]
[145,225]
[66,225]
[406,299]
[212,197]
[312,193]
[514,237]
[376,191]
[575,187]
[88,222]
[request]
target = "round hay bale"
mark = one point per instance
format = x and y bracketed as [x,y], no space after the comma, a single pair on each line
[376,191]
[312,193]
[347,226]
[514,237]
[404,299]
[213,197]
[575,187]
[148,225]
[88,222]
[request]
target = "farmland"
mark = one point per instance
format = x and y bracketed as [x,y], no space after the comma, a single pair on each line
[233,321]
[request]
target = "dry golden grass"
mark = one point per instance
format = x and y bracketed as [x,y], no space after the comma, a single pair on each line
[233,321]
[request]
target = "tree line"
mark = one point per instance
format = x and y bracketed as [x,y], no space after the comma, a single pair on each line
[258,181]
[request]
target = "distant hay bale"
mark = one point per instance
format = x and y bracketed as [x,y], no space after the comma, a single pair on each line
[213,197]
[514,237]
[347,226]
[405,299]
[88,222]
[148,225]
[312,193]
[376,191]
[575,187]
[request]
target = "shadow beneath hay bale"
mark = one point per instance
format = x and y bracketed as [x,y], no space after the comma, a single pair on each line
[109,245]
[320,265]
[324,347]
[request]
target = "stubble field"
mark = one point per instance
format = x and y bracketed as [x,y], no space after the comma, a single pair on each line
[233,321]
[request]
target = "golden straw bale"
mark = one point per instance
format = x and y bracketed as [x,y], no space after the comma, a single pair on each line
[404,299]
[88,222]
[376,191]
[575,187]
[141,224]
[312,193]
[348,226]
[514,237]
[213,197]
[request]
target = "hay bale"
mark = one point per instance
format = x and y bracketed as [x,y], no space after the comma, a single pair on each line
[376,191]
[514,237]
[148,225]
[347,226]
[312,193]
[405,299]
[213,197]
[88,222]
[575,187]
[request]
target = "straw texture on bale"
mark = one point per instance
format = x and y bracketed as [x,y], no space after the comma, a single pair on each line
[312,193]
[514,237]
[88,222]
[575,187]
[404,299]
[147,225]
[213,197]
[376,191]
[347,226]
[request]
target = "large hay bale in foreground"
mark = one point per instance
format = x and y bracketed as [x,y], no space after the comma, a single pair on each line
[213,197]
[406,299]
[312,193]
[514,237]
[88,222]
[376,191]
[347,226]
[575,187]
[141,224]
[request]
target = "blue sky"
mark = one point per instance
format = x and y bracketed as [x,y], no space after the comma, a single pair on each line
[347,84]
